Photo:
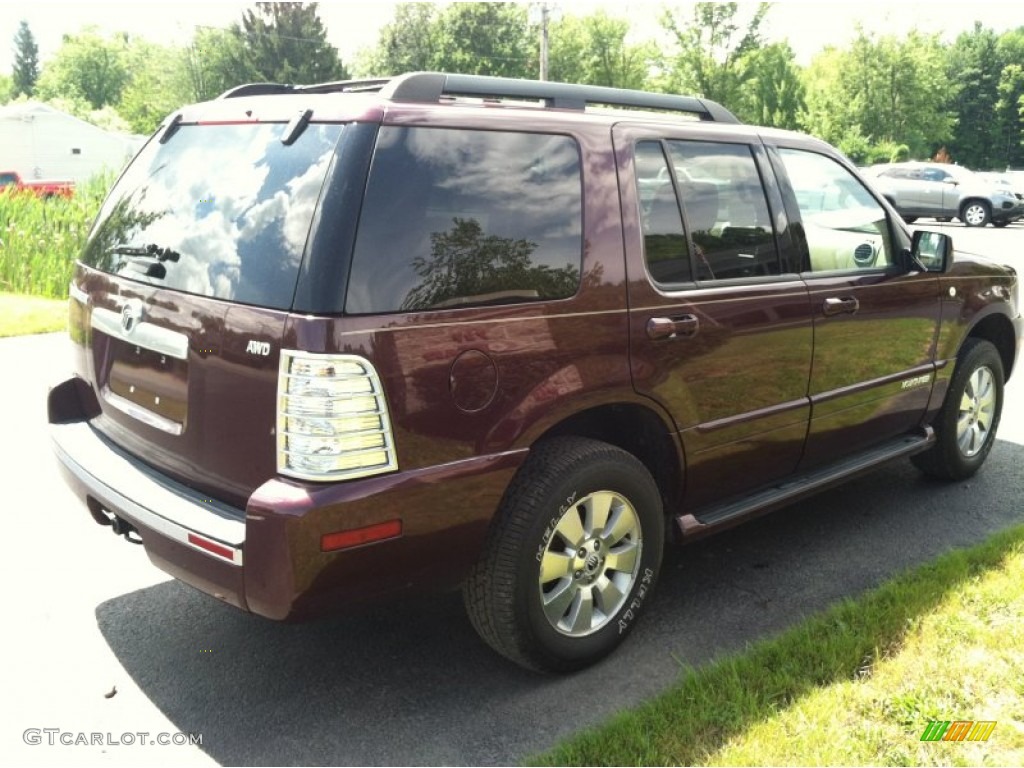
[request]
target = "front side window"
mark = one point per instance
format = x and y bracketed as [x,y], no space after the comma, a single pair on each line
[845,226]
[455,218]
[726,213]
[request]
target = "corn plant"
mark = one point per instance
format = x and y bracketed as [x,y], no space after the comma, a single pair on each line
[41,238]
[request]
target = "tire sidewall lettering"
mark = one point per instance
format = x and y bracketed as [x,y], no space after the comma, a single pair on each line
[643,586]
[552,525]
[623,621]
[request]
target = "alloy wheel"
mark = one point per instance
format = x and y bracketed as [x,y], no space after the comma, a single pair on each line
[975,215]
[590,563]
[977,409]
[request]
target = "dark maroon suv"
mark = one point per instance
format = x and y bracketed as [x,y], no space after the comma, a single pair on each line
[341,342]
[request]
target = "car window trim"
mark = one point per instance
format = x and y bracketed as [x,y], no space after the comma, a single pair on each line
[674,288]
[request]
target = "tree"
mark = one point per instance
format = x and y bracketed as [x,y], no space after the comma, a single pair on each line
[26,61]
[974,70]
[283,43]
[213,63]
[465,262]
[773,94]
[406,44]
[881,97]
[1009,108]
[159,85]
[6,84]
[87,66]
[486,39]
[825,115]
[593,50]
[713,57]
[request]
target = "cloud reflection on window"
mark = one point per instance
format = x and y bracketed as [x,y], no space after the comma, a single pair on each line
[232,200]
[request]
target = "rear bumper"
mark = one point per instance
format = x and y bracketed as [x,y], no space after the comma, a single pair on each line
[268,558]
[159,504]
[186,534]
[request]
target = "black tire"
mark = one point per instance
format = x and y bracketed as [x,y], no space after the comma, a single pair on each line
[910,219]
[944,219]
[958,453]
[504,595]
[975,213]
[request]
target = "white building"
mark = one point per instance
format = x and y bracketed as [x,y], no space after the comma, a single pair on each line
[40,142]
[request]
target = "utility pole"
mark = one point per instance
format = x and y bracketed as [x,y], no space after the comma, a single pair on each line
[541,15]
[543,41]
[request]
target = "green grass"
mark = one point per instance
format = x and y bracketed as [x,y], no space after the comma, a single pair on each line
[40,239]
[855,685]
[20,315]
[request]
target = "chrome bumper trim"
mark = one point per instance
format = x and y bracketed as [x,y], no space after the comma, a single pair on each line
[88,457]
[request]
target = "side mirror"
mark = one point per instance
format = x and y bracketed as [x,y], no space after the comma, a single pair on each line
[929,252]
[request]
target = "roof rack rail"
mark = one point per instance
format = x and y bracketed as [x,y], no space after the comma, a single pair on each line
[339,86]
[255,89]
[431,86]
[346,86]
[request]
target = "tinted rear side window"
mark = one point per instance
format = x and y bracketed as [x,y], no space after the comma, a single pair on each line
[726,211]
[218,210]
[455,218]
[665,247]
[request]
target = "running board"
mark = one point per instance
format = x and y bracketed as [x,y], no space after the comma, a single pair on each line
[790,490]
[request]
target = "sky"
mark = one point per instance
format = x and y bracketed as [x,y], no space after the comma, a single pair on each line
[808,26]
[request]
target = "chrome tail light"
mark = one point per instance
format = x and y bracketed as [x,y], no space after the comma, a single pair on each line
[332,418]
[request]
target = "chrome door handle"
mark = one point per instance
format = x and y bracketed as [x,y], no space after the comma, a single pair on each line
[837,306]
[672,327]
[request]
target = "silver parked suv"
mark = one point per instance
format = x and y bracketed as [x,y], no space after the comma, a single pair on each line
[942,191]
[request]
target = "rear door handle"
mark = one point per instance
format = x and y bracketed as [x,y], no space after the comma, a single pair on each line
[836,306]
[672,327]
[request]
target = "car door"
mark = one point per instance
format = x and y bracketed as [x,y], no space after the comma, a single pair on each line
[901,186]
[939,192]
[720,326]
[875,324]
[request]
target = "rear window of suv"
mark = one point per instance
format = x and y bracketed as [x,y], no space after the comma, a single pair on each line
[218,210]
[455,218]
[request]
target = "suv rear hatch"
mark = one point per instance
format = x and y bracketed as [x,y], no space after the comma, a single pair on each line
[183,291]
